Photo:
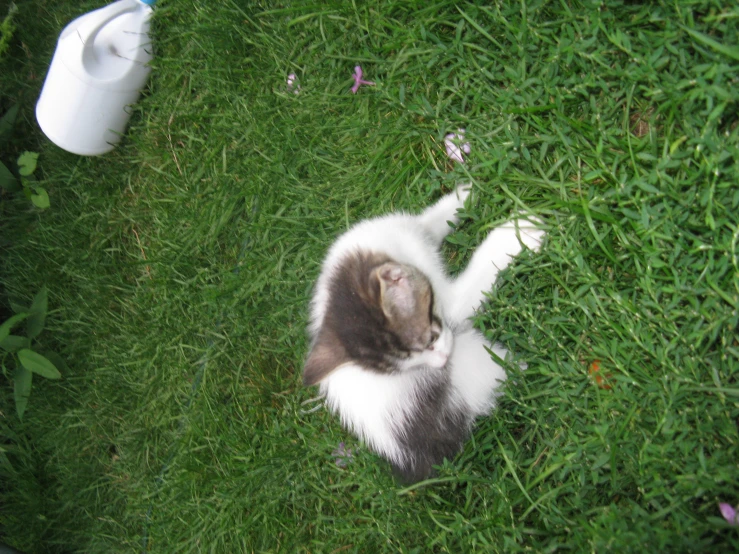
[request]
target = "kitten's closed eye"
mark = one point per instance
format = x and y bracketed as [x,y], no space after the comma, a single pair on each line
[433,353]
[429,345]
[434,338]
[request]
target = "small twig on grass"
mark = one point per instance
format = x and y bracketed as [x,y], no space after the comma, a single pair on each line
[169,131]
[342,548]
[311,401]
[174,154]
[143,254]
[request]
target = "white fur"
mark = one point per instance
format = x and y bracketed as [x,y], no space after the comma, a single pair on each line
[475,376]
[492,256]
[376,406]
[399,236]
[373,406]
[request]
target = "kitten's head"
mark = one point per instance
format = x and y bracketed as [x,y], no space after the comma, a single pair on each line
[381,315]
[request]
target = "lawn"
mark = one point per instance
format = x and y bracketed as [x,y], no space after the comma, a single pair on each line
[179,269]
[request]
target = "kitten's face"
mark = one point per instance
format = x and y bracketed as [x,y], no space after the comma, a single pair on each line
[407,301]
[382,316]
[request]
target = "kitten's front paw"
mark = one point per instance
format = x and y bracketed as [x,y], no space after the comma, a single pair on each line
[463,191]
[528,231]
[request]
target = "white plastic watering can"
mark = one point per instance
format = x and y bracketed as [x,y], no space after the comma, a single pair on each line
[98,70]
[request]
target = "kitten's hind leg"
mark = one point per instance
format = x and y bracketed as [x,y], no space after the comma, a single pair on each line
[435,218]
[491,257]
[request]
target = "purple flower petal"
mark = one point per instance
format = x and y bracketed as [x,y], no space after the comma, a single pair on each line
[358,81]
[455,146]
[729,513]
[343,455]
[292,84]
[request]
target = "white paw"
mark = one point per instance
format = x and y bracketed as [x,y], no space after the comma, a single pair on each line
[463,191]
[531,236]
[528,231]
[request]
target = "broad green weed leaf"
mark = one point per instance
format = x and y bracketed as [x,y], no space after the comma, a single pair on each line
[7,122]
[9,323]
[40,301]
[55,359]
[726,50]
[33,361]
[27,163]
[22,381]
[37,317]
[13,343]
[7,179]
[41,198]
[18,308]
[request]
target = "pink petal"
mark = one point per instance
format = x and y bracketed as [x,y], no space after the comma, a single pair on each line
[729,513]
[292,84]
[453,149]
[454,153]
[358,81]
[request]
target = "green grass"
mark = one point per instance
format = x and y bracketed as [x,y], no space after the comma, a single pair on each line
[180,267]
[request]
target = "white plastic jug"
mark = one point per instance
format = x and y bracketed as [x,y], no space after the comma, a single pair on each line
[98,70]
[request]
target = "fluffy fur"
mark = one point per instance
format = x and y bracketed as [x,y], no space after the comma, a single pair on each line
[393,350]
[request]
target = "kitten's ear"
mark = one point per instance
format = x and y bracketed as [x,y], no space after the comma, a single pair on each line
[396,289]
[325,356]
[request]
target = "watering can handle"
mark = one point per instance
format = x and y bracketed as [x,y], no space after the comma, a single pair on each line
[90,26]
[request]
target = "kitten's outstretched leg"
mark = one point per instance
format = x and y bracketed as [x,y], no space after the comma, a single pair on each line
[435,218]
[492,256]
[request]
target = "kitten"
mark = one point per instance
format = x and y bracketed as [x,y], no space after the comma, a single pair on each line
[393,349]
